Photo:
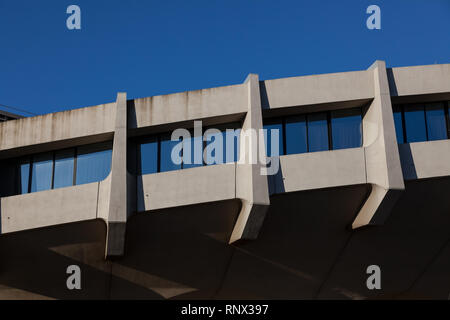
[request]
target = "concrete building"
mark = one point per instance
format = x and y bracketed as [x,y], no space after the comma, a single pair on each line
[91,187]
[5,116]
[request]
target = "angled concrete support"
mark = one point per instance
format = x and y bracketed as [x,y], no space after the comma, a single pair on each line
[383,168]
[251,186]
[120,181]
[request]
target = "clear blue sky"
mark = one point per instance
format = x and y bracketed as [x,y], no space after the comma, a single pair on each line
[149,48]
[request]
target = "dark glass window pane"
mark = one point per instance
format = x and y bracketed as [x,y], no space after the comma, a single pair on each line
[317,132]
[194,158]
[296,137]
[273,147]
[166,154]
[415,123]
[148,152]
[346,129]
[93,163]
[64,162]
[42,172]
[398,124]
[24,176]
[436,127]
[231,139]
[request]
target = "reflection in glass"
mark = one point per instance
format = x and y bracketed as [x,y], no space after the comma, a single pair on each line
[274,147]
[24,172]
[42,172]
[398,124]
[166,154]
[317,132]
[93,163]
[346,129]
[436,127]
[149,156]
[415,124]
[64,161]
[296,137]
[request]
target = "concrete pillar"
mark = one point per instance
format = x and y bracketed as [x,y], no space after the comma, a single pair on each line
[118,208]
[251,186]
[383,167]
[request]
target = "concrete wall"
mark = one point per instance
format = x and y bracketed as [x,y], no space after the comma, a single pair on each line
[419,80]
[186,187]
[47,208]
[318,170]
[58,126]
[317,89]
[191,105]
[421,160]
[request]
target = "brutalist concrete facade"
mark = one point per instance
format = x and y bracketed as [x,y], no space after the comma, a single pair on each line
[226,231]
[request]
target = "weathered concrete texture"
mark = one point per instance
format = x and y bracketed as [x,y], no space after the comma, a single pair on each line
[251,185]
[382,158]
[58,126]
[119,196]
[191,105]
[47,208]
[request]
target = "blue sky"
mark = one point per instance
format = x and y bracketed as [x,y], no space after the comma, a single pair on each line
[148,48]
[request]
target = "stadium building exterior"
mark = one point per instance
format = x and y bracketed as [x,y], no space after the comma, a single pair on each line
[364,171]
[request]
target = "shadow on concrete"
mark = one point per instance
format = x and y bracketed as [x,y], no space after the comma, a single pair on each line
[407,161]
[391,80]
[276,182]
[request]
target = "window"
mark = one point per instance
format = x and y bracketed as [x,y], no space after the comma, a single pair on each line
[346,129]
[64,168]
[296,135]
[398,120]
[42,171]
[166,154]
[435,116]
[155,152]
[274,145]
[415,124]
[317,132]
[64,163]
[313,132]
[93,163]
[193,148]
[421,122]
[148,154]
[24,176]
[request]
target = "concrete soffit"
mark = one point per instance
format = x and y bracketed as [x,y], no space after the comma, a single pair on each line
[383,167]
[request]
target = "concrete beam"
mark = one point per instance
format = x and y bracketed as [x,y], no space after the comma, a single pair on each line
[120,181]
[251,186]
[383,168]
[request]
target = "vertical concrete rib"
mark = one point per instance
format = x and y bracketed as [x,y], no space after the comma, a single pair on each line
[118,199]
[383,167]
[251,186]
